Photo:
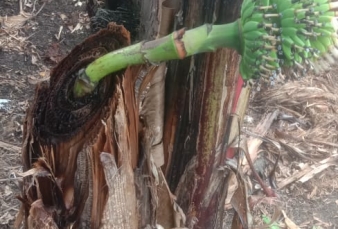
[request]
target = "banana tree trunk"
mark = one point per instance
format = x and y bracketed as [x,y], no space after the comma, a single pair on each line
[199,96]
[101,161]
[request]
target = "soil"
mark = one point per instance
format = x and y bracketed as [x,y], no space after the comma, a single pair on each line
[26,57]
[27,54]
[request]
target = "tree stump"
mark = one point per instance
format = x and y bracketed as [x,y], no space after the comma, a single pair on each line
[88,161]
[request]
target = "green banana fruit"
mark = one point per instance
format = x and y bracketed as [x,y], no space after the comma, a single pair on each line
[297,41]
[326,42]
[301,34]
[288,13]
[251,26]
[326,7]
[253,45]
[322,31]
[292,22]
[287,51]
[248,8]
[321,1]
[254,35]
[289,31]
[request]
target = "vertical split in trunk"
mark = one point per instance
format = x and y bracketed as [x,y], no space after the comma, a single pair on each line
[199,99]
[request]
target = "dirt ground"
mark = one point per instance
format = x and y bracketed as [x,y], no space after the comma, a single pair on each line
[26,55]
[40,41]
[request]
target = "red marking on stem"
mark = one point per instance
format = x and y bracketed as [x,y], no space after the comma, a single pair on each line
[179,44]
[239,86]
[231,151]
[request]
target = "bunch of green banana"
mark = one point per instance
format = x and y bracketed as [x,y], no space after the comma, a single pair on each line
[301,34]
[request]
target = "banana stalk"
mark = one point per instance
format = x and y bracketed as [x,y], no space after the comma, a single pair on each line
[178,45]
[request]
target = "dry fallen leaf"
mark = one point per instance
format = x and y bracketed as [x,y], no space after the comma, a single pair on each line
[321,223]
[44,73]
[77,27]
[6,218]
[313,193]
[63,17]
[58,36]
[34,60]
[289,223]
[8,191]
[13,22]
[53,53]
[232,187]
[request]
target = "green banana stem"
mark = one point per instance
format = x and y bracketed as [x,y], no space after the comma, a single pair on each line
[178,45]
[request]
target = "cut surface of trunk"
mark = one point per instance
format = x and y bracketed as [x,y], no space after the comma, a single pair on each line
[69,144]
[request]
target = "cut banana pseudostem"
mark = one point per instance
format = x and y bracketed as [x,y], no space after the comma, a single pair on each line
[301,34]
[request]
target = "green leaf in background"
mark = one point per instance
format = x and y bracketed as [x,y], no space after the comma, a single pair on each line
[267,221]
